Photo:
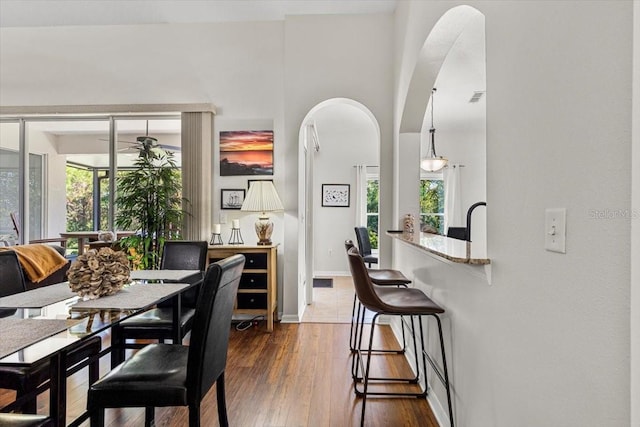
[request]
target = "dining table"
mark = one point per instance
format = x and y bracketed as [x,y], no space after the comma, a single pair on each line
[85,236]
[43,324]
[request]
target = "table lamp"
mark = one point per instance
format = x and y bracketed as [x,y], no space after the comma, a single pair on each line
[262,197]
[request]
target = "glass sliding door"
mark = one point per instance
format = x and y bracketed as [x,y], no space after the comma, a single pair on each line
[68,182]
[9,179]
[36,195]
[131,133]
[75,151]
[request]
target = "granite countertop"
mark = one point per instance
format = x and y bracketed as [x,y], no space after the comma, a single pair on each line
[448,248]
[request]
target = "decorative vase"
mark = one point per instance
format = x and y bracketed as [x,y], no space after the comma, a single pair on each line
[98,273]
[407,223]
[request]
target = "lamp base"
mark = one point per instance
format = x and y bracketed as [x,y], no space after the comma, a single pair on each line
[264,229]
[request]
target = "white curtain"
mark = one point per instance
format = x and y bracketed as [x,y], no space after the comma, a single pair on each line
[361,196]
[452,203]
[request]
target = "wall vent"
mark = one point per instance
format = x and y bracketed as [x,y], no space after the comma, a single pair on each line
[476,96]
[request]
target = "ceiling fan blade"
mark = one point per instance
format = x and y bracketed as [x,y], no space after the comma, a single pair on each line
[119,141]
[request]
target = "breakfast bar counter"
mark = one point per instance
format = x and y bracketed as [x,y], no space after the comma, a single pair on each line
[454,250]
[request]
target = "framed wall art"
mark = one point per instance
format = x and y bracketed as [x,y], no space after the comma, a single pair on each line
[231,198]
[246,152]
[335,195]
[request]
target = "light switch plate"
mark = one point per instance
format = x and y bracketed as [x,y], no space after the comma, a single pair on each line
[555,229]
[223,217]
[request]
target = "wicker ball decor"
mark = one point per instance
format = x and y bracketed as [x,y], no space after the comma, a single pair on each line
[99,273]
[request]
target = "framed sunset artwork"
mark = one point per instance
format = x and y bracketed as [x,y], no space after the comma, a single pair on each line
[246,152]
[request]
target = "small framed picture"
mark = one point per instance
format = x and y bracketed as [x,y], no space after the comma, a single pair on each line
[231,198]
[335,195]
[249,181]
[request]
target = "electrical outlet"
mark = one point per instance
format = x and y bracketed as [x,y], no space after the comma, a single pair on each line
[555,228]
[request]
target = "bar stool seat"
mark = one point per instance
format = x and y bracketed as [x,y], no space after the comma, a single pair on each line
[407,301]
[393,302]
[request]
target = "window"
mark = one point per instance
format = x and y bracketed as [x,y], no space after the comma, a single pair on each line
[432,204]
[372,210]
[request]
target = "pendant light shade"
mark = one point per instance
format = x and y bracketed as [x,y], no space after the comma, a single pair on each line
[433,162]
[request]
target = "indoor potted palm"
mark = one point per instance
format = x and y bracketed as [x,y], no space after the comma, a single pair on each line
[149,201]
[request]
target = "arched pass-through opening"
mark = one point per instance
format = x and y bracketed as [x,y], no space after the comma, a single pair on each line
[334,136]
[452,58]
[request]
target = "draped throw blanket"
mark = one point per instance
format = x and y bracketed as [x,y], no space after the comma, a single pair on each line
[38,261]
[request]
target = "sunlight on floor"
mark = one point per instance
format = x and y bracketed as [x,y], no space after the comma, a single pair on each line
[331,305]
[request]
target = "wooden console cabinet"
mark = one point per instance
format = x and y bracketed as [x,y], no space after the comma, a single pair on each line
[257,294]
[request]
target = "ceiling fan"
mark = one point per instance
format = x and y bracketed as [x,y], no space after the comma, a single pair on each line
[145,142]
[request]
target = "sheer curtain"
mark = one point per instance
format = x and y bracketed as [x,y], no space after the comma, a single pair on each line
[452,203]
[361,196]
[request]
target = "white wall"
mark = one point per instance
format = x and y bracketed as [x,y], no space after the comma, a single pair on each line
[635,225]
[334,57]
[547,343]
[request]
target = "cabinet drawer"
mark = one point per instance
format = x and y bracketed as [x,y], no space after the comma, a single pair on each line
[253,281]
[252,301]
[255,261]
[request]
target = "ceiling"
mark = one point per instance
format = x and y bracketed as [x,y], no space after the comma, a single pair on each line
[53,13]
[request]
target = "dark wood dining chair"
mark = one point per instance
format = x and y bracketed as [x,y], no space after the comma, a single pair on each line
[24,420]
[26,380]
[157,323]
[172,374]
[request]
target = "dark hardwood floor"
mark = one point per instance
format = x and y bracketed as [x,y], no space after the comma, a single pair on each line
[297,376]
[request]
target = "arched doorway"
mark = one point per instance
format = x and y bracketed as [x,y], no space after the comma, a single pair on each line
[335,136]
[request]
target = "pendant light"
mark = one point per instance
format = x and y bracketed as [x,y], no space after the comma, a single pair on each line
[433,163]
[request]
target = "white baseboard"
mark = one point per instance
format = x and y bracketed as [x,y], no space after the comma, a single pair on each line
[331,273]
[290,318]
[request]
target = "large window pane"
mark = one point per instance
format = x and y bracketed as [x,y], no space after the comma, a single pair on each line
[36,195]
[9,182]
[432,205]
[373,190]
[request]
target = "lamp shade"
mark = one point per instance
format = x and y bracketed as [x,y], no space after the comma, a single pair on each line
[262,197]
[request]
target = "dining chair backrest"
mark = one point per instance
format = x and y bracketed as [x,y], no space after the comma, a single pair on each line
[11,277]
[364,244]
[211,326]
[348,244]
[362,282]
[184,255]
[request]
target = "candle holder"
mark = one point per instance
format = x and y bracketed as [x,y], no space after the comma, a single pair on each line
[216,239]
[236,237]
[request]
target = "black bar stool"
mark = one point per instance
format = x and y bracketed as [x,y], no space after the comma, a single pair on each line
[380,277]
[394,302]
